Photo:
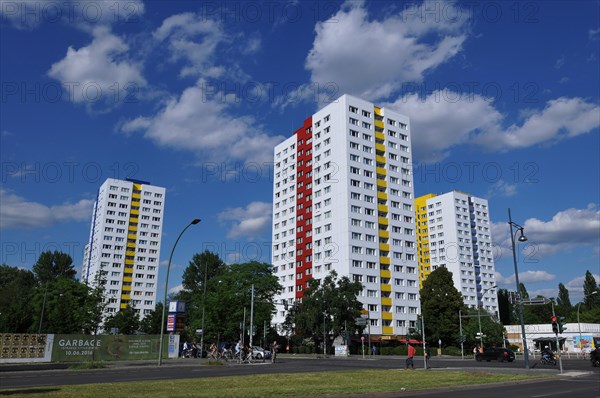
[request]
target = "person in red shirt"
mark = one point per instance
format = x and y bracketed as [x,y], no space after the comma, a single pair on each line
[411,353]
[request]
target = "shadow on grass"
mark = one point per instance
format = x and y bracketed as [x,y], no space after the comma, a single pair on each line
[32,391]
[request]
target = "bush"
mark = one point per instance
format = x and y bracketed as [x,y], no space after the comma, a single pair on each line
[451,351]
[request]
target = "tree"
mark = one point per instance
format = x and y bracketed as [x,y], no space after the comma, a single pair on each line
[589,287]
[329,308]
[563,302]
[52,265]
[16,290]
[228,295]
[493,331]
[440,303]
[151,322]
[126,321]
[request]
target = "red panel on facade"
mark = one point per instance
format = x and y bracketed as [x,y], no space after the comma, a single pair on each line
[303,205]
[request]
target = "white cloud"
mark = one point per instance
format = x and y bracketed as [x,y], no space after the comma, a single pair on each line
[567,229]
[372,58]
[176,289]
[562,118]
[251,221]
[29,14]
[501,188]
[525,277]
[445,119]
[18,212]
[99,72]
[594,34]
[198,122]
[192,38]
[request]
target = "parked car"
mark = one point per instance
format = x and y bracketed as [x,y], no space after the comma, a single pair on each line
[261,353]
[495,354]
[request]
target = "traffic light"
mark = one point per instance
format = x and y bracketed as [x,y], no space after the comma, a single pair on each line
[555,325]
[561,326]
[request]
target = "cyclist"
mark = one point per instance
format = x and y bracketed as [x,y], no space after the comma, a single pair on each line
[547,353]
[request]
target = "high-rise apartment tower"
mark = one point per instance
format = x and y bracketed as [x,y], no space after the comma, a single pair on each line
[124,244]
[343,201]
[454,231]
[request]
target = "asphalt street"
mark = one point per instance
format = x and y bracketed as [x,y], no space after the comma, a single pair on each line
[580,379]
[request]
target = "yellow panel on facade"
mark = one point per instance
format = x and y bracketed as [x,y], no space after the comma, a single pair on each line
[386,316]
[387,330]
[135,212]
[377,110]
[123,306]
[384,260]
[382,183]
[380,159]
[131,245]
[132,228]
[386,287]
[127,279]
[385,273]
[382,208]
[378,123]
[384,234]
[382,195]
[126,287]
[379,135]
[380,147]
[386,301]
[125,296]
[381,170]
[385,247]
[136,195]
[128,262]
[382,220]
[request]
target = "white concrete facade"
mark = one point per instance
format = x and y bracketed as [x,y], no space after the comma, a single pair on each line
[460,240]
[362,222]
[124,244]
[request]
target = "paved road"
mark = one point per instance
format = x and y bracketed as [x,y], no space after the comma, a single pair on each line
[192,368]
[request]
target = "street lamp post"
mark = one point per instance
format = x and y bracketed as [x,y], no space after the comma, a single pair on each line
[44,306]
[479,313]
[579,323]
[522,238]
[203,307]
[164,309]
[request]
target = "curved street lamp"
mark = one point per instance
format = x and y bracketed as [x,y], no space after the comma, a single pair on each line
[522,238]
[578,323]
[164,309]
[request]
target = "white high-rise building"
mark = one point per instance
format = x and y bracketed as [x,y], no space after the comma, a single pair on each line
[124,244]
[454,231]
[343,201]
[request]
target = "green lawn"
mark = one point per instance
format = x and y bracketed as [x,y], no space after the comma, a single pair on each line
[276,385]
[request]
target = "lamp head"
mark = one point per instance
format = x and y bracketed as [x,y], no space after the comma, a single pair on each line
[522,238]
[195,221]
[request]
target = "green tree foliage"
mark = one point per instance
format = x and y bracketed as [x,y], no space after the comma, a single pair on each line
[492,330]
[328,308]
[563,302]
[53,265]
[228,296]
[151,322]
[16,290]
[590,286]
[126,320]
[440,302]
[590,306]
[65,305]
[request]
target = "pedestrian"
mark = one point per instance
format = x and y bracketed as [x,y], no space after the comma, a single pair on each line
[409,360]
[374,348]
[274,347]
[475,352]
[427,356]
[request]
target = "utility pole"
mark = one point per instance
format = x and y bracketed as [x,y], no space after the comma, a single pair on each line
[251,316]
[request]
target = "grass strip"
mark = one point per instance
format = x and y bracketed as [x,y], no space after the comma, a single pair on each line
[299,385]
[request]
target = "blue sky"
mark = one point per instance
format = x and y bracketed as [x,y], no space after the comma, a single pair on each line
[503,99]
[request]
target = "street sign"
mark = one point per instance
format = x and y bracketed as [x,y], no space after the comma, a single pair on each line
[361,321]
[535,301]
